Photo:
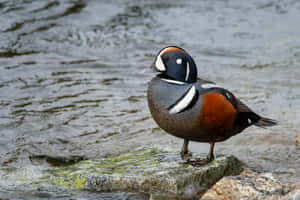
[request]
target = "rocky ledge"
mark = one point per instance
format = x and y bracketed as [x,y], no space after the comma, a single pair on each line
[158,172]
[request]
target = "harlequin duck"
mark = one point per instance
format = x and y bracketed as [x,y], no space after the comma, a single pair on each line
[192,108]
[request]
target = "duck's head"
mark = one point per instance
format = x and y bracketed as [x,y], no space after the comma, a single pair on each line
[176,64]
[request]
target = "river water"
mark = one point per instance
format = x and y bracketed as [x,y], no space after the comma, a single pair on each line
[74,74]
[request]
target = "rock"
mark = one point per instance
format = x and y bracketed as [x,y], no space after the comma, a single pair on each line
[293,195]
[158,172]
[57,161]
[154,171]
[247,186]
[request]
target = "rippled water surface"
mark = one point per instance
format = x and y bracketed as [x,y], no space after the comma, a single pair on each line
[74,73]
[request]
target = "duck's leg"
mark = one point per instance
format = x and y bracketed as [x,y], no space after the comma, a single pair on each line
[185,150]
[210,155]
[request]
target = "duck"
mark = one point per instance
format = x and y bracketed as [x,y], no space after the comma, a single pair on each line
[192,108]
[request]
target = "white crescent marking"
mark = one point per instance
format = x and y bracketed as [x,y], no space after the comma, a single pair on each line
[159,64]
[184,102]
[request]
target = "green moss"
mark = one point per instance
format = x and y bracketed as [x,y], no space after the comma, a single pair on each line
[213,162]
[74,182]
[79,182]
[145,170]
[22,179]
[190,167]
[137,162]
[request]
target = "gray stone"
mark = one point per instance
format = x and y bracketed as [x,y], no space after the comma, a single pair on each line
[293,195]
[294,192]
[159,172]
[247,186]
[154,171]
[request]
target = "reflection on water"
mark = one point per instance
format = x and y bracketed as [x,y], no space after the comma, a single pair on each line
[74,74]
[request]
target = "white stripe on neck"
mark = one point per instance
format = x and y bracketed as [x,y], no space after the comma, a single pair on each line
[173,81]
[187,71]
[184,102]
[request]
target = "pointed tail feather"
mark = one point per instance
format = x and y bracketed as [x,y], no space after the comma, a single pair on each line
[265,122]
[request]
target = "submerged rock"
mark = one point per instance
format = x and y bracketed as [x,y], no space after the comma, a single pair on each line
[153,171]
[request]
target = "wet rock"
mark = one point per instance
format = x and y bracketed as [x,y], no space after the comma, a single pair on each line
[293,191]
[153,171]
[159,173]
[293,195]
[57,161]
[246,186]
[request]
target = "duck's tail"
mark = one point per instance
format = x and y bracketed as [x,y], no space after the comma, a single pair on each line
[265,122]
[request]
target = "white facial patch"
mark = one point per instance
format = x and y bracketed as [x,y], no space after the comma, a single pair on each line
[184,102]
[159,64]
[179,61]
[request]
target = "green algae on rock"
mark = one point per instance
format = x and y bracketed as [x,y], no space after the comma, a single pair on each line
[154,171]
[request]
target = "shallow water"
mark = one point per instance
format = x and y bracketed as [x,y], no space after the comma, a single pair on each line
[74,73]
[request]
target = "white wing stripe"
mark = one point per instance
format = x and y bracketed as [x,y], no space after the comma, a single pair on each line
[184,102]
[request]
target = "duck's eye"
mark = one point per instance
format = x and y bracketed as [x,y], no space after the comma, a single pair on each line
[178,61]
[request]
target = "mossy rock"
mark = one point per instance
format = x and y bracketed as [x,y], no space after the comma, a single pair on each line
[159,172]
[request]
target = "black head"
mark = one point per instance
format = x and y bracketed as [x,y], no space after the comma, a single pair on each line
[176,64]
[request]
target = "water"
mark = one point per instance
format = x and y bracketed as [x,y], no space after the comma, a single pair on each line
[74,73]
